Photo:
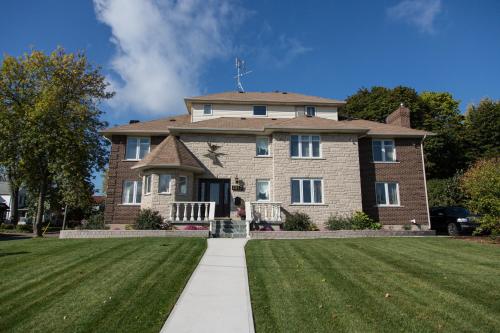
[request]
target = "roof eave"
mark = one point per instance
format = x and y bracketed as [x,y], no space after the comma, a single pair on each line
[167,166]
[190,101]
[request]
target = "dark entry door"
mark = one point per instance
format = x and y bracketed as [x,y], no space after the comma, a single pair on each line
[216,190]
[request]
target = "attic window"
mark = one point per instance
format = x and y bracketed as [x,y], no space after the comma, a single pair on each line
[172,119]
[310,111]
[207,109]
[259,110]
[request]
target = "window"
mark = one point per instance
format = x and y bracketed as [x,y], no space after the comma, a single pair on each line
[262,144]
[164,184]
[207,109]
[305,146]
[260,110]
[384,151]
[387,194]
[148,185]
[262,189]
[310,111]
[132,192]
[307,191]
[137,148]
[182,186]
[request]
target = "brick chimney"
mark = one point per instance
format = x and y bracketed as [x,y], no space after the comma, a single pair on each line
[400,117]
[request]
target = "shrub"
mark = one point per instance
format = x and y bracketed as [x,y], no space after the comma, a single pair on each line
[357,221]
[24,228]
[445,192]
[299,222]
[149,219]
[481,183]
[94,222]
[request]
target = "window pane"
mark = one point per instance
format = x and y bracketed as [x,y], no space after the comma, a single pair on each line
[262,147]
[207,109]
[311,111]
[295,146]
[138,195]
[128,192]
[305,146]
[393,193]
[259,110]
[389,151]
[164,184]
[144,148]
[131,153]
[295,191]
[148,184]
[377,151]
[380,193]
[306,190]
[182,185]
[318,195]
[262,190]
[315,145]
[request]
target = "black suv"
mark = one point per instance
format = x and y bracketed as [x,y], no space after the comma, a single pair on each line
[453,220]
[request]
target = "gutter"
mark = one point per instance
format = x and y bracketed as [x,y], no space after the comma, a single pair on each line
[425,182]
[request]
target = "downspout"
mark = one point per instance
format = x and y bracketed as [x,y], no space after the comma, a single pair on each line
[425,182]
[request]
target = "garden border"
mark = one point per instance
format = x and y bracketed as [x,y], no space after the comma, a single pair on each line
[339,234]
[66,234]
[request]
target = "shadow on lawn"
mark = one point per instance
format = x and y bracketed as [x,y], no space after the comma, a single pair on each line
[5,254]
[13,236]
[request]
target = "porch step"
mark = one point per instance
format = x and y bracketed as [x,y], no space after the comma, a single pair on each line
[229,229]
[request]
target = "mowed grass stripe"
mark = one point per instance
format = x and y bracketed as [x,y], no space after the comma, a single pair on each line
[340,285]
[109,285]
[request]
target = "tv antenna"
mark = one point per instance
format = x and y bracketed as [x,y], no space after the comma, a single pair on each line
[240,72]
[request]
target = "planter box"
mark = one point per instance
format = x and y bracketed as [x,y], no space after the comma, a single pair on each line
[338,234]
[131,233]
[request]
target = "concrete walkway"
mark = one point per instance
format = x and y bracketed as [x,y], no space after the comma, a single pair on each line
[216,297]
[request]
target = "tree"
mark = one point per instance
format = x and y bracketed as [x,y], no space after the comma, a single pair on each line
[445,192]
[481,184]
[483,129]
[59,142]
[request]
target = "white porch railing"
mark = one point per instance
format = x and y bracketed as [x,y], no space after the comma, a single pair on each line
[192,211]
[263,211]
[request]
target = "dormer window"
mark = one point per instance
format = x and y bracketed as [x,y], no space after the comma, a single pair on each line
[207,109]
[259,110]
[310,111]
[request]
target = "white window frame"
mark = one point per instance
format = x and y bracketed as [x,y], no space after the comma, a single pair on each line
[310,146]
[211,110]
[148,180]
[382,145]
[168,184]
[179,186]
[259,115]
[386,188]
[134,193]
[268,181]
[268,146]
[137,147]
[301,191]
[309,115]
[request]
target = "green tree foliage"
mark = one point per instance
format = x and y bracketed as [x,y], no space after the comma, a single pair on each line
[53,102]
[482,123]
[445,192]
[481,184]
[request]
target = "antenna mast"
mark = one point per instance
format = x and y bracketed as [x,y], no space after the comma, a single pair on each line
[240,72]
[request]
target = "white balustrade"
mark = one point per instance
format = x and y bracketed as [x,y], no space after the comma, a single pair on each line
[263,211]
[192,211]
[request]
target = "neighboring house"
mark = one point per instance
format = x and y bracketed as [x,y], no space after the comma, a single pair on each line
[271,153]
[6,201]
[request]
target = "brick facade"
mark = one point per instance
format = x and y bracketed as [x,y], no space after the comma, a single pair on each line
[408,171]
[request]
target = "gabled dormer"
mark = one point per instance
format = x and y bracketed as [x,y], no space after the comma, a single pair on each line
[261,105]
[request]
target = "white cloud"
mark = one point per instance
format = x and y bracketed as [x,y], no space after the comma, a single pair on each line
[421,13]
[161,47]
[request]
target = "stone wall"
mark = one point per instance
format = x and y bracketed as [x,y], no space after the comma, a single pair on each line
[131,233]
[337,234]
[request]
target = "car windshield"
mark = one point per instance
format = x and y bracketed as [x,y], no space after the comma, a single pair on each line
[457,211]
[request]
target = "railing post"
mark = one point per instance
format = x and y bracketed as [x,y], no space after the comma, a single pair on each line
[171,212]
[248,228]
[212,211]
[249,211]
[199,212]
[192,211]
[184,218]
[177,218]
[207,210]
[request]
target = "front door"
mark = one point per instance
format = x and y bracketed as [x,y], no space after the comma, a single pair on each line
[216,190]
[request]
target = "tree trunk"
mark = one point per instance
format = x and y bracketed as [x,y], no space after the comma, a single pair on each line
[14,205]
[37,226]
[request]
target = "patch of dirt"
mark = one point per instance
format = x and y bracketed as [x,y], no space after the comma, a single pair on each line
[480,239]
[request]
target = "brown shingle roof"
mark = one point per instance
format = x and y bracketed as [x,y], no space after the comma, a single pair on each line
[265,98]
[376,128]
[153,126]
[170,153]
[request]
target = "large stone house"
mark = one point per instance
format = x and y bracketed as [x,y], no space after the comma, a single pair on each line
[261,156]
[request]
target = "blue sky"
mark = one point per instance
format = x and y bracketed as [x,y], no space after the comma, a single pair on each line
[157,52]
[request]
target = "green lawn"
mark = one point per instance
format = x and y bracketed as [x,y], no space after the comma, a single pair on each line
[106,285]
[431,284]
